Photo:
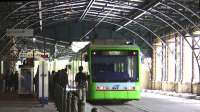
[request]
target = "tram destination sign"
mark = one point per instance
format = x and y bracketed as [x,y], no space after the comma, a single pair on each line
[19,32]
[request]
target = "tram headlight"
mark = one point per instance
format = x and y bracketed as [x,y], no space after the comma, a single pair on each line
[131,88]
[100,88]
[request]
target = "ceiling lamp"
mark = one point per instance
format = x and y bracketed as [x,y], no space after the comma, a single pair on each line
[76,46]
[196,33]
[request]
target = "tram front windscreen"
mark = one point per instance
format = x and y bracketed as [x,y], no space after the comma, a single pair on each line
[114,66]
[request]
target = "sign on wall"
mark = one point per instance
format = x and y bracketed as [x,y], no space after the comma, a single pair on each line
[19,32]
[37,54]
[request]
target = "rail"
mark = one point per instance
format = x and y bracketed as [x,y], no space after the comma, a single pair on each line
[69,100]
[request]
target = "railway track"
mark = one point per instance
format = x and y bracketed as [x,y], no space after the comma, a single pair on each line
[123,108]
[141,108]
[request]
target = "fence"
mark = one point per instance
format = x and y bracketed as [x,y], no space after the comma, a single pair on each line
[70,100]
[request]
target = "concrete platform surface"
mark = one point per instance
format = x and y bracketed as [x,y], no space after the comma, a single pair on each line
[26,106]
[25,103]
[172,93]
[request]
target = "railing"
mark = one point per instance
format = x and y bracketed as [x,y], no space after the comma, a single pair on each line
[69,100]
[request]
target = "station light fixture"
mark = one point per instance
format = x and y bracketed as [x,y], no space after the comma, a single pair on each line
[187,35]
[34,39]
[76,46]
[196,33]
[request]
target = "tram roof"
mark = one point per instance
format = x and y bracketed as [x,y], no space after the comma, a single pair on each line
[93,46]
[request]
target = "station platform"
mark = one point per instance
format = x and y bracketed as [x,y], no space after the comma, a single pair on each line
[172,93]
[10,102]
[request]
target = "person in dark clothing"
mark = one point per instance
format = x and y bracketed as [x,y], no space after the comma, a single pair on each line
[51,83]
[15,81]
[63,78]
[36,82]
[10,82]
[80,78]
[7,81]
[1,83]
[57,77]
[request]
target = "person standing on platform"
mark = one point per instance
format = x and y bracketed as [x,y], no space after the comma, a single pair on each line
[36,82]
[80,78]
[6,81]
[64,77]
[51,83]
[81,84]
[10,82]
[1,83]
[15,81]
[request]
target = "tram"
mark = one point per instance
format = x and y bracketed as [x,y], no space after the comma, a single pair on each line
[114,72]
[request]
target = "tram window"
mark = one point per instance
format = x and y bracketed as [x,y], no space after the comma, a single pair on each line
[107,67]
[119,67]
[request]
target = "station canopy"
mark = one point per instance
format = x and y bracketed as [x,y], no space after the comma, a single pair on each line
[57,23]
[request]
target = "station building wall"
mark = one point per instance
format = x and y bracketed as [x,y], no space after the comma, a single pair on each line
[174,66]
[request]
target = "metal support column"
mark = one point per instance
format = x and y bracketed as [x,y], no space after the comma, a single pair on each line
[179,57]
[73,72]
[153,74]
[163,63]
[182,57]
[166,61]
[175,70]
[155,66]
[2,67]
[192,78]
[196,49]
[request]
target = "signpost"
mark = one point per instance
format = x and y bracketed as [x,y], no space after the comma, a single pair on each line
[43,82]
[19,32]
[36,54]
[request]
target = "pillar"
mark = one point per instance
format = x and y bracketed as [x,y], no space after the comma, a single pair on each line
[2,67]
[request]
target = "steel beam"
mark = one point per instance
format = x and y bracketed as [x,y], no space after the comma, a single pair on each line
[181,15]
[22,6]
[60,5]
[168,25]
[127,30]
[141,14]
[97,24]
[187,9]
[87,9]
[60,14]
[40,13]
